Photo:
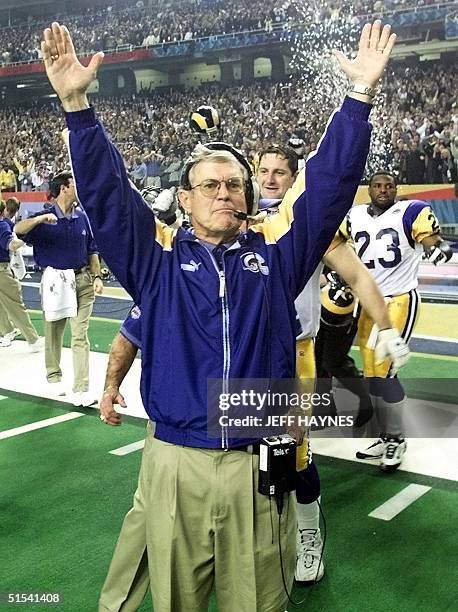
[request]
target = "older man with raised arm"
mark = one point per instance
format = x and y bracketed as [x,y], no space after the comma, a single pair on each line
[207,314]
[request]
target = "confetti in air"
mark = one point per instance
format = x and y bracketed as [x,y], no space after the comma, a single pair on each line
[317,80]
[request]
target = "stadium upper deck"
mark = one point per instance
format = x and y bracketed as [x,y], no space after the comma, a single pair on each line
[139,24]
[415,126]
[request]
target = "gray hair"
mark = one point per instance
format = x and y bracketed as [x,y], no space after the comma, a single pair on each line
[202,153]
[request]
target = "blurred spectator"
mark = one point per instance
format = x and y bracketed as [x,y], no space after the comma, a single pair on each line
[172,171]
[24,166]
[41,176]
[154,169]
[7,178]
[138,173]
[415,165]
[454,152]
[441,163]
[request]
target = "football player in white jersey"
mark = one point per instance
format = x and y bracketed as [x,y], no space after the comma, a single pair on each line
[276,172]
[390,237]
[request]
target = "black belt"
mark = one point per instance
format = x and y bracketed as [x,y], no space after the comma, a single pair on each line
[249,448]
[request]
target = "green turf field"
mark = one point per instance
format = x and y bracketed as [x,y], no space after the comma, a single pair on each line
[63,498]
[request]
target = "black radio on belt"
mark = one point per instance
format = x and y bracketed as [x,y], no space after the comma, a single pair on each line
[277,465]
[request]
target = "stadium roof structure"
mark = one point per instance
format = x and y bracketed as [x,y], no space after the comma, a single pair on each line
[14,4]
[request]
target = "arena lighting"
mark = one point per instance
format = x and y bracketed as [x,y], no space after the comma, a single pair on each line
[21,85]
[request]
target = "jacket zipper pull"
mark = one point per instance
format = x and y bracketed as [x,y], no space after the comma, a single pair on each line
[222,284]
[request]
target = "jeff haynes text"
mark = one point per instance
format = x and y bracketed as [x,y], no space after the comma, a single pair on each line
[287,420]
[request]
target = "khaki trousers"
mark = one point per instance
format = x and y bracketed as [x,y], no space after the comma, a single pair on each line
[5,324]
[54,333]
[12,306]
[206,528]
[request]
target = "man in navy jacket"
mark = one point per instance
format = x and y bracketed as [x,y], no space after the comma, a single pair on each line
[216,303]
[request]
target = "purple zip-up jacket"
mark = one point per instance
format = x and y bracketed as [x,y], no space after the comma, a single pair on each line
[201,321]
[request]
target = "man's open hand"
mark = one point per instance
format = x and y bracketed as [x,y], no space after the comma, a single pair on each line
[68,77]
[375,46]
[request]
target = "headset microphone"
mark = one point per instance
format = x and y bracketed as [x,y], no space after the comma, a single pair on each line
[238,214]
[243,216]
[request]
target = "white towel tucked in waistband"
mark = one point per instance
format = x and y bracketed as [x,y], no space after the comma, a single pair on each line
[17,264]
[58,294]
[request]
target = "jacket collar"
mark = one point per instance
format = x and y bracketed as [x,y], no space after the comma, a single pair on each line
[60,215]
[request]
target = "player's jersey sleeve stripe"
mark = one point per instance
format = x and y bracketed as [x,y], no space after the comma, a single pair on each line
[426,224]
[345,227]
[165,235]
[409,218]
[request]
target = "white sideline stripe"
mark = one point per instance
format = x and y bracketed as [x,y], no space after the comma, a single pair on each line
[399,502]
[3,397]
[438,338]
[130,448]
[17,431]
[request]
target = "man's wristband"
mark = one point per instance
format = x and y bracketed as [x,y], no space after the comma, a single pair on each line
[97,276]
[364,90]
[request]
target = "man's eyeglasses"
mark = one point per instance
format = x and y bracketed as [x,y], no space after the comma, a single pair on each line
[210,187]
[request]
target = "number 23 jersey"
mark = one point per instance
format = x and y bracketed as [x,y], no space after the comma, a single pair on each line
[389,244]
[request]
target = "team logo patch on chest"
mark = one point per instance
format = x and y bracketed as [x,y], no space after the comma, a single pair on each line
[254,263]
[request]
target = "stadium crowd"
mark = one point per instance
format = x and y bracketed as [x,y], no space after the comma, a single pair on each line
[141,24]
[416,128]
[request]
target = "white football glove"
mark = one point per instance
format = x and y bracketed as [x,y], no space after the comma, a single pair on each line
[439,253]
[165,201]
[391,346]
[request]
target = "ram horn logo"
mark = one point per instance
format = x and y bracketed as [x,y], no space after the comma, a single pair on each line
[254,263]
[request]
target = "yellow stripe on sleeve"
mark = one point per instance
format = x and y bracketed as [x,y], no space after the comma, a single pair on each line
[165,235]
[426,224]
